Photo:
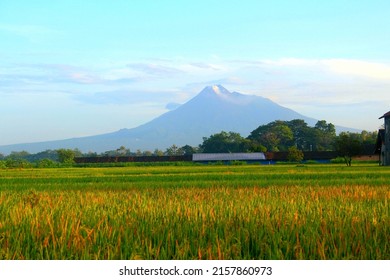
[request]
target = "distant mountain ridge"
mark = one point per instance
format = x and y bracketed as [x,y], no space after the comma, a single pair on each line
[214,109]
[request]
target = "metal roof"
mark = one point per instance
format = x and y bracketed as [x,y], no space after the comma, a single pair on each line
[385,115]
[227,156]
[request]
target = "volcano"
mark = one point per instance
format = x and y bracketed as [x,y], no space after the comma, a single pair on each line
[213,110]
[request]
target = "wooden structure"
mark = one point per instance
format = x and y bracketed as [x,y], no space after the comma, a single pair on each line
[383,141]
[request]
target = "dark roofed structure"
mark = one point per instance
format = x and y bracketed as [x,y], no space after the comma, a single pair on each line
[383,141]
[385,115]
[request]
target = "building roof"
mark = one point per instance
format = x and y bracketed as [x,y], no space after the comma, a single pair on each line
[385,115]
[227,156]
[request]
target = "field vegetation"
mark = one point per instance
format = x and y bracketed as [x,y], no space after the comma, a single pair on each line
[196,212]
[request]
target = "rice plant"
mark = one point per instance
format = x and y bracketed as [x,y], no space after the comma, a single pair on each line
[196,212]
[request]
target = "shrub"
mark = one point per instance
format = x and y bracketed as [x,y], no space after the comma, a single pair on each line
[238,162]
[337,160]
[17,163]
[46,163]
[66,156]
[294,154]
[310,161]
[2,164]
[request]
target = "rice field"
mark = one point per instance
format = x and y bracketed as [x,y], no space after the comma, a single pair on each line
[196,212]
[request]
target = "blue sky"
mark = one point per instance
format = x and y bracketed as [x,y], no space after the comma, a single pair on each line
[77,68]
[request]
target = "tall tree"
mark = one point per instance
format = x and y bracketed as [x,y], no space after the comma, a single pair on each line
[224,142]
[294,154]
[275,136]
[123,151]
[172,150]
[347,146]
[325,134]
[188,150]
[158,152]
[66,156]
[302,134]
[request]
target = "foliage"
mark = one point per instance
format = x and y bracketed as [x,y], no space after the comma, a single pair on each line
[303,135]
[347,146]
[337,160]
[47,154]
[18,155]
[279,135]
[17,163]
[188,150]
[275,136]
[311,162]
[294,154]
[316,212]
[66,156]
[121,151]
[173,151]
[224,142]
[158,152]
[324,135]
[47,163]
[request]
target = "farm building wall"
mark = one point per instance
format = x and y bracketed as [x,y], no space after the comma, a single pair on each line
[385,140]
[386,148]
[307,155]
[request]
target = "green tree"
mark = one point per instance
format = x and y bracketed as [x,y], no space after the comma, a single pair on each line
[147,153]
[302,134]
[347,146]
[123,151]
[188,150]
[225,142]
[294,154]
[256,147]
[66,156]
[18,155]
[46,163]
[325,134]
[17,163]
[172,151]
[275,136]
[158,152]
[368,140]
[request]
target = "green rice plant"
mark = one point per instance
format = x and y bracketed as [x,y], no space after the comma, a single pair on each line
[195,212]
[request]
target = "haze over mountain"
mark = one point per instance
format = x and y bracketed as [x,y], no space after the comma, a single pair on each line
[214,109]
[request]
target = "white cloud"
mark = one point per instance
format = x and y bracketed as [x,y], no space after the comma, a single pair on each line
[347,67]
[360,68]
[155,69]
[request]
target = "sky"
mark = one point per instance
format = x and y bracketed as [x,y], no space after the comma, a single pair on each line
[71,68]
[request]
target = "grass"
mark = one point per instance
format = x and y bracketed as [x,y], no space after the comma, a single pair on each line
[196,212]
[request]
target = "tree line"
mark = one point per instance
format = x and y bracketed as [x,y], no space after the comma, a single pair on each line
[277,136]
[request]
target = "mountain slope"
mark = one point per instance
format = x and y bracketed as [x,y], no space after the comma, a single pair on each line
[214,109]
